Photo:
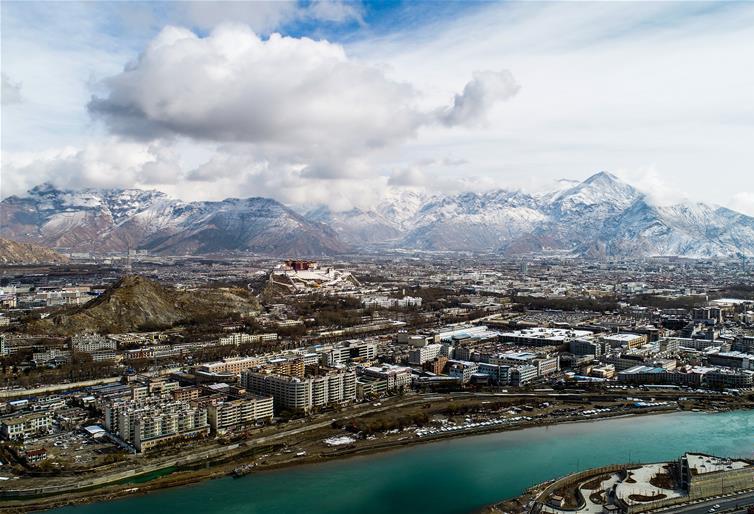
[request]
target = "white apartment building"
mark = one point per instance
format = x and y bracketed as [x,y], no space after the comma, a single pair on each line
[304,394]
[241,338]
[89,343]
[230,414]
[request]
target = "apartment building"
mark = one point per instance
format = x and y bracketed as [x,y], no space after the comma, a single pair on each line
[241,338]
[232,414]
[302,394]
[26,425]
[232,365]
[90,343]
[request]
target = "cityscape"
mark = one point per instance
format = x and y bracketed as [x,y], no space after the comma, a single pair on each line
[295,257]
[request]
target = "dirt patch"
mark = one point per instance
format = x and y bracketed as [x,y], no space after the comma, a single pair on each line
[664,480]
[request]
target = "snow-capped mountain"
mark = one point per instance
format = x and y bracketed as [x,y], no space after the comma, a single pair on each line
[94,220]
[599,216]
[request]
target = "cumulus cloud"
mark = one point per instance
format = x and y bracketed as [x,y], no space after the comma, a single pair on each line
[106,164]
[11,91]
[294,99]
[411,177]
[650,182]
[478,96]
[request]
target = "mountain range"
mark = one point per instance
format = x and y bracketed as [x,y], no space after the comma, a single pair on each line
[600,216]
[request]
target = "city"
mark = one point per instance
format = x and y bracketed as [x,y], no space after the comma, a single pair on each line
[376,256]
[336,358]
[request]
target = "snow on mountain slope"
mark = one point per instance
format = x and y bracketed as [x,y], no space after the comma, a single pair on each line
[601,215]
[116,220]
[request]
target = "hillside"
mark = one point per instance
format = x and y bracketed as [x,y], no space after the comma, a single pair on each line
[135,303]
[12,252]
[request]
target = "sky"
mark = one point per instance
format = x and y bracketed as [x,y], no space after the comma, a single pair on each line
[338,103]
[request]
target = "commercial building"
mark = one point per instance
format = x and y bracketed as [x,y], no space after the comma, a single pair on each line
[738,360]
[426,353]
[462,370]
[628,341]
[395,377]
[544,336]
[522,375]
[498,373]
[583,347]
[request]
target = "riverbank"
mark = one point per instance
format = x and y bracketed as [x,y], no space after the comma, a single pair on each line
[317,455]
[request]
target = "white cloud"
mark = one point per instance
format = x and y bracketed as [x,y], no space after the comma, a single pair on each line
[267,16]
[297,101]
[743,202]
[478,97]
[108,164]
[11,91]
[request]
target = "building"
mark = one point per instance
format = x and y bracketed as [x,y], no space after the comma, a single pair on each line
[436,365]
[241,338]
[522,375]
[462,370]
[146,424]
[498,373]
[728,379]
[426,353]
[545,366]
[544,336]
[232,414]
[302,394]
[233,366]
[25,426]
[349,351]
[90,343]
[705,475]
[626,340]
[737,360]
[395,377]
[582,347]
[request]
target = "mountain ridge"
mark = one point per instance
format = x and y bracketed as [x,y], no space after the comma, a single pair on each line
[600,216]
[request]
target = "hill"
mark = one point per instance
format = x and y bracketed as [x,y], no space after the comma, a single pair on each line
[135,303]
[12,252]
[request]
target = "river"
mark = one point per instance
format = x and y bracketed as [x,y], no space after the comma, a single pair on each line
[455,476]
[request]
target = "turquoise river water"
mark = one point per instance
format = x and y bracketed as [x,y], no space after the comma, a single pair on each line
[455,476]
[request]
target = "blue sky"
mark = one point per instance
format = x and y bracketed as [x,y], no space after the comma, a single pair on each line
[443,96]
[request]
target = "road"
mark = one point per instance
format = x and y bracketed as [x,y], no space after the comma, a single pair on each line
[727,505]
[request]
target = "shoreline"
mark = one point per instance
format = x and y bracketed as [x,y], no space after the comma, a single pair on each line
[189,476]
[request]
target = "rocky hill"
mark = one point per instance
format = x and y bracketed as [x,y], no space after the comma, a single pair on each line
[135,303]
[12,252]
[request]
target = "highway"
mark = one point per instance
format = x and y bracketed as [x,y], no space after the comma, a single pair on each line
[735,504]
